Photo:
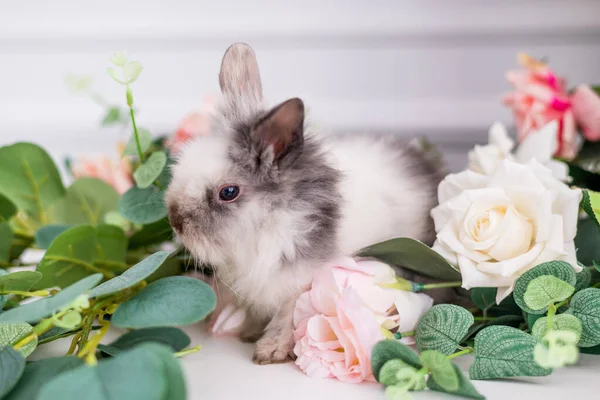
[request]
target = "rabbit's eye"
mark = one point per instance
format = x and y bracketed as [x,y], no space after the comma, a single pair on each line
[229,193]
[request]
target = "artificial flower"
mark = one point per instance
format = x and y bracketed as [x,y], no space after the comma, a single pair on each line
[539,145]
[585,103]
[539,97]
[495,227]
[193,125]
[116,173]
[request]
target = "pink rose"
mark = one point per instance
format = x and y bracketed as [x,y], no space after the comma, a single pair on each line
[586,108]
[115,173]
[193,125]
[540,97]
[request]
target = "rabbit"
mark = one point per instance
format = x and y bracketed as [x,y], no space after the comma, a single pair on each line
[266,201]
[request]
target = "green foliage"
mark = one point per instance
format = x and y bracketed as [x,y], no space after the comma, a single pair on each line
[442,370]
[151,234]
[143,206]
[584,278]
[559,269]
[150,170]
[12,332]
[176,300]
[413,255]
[502,351]
[7,210]
[585,305]
[391,350]
[145,142]
[591,205]
[562,322]
[443,328]
[30,179]
[545,290]
[86,202]
[148,371]
[20,280]
[12,365]
[46,235]
[465,387]
[174,338]
[114,115]
[586,241]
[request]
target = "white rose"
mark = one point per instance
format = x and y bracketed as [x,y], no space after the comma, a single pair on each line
[496,227]
[538,145]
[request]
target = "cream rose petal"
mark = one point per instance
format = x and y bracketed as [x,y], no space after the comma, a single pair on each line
[510,267]
[455,184]
[472,277]
[515,238]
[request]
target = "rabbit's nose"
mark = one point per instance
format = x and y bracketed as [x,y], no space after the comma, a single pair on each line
[176,217]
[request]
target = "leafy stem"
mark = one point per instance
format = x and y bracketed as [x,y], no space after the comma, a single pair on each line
[107,274]
[187,351]
[460,353]
[37,293]
[89,350]
[40,328]
[135,129]
[441,285]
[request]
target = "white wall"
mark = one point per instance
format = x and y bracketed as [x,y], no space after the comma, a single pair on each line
[434,66]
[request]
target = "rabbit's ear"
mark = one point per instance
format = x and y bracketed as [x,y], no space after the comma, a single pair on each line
[239,76]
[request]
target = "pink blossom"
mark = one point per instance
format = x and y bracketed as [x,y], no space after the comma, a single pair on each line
[540,97]
[116,173]
[193,125]
[586,108]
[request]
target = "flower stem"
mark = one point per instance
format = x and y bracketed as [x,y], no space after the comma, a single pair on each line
[460,353]
[441,285]
[135,134]
[37,293]
[187,351]
[484,319]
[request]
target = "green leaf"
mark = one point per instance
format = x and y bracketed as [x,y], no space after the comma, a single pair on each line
[584,278]
[132,276]
[156,232]
[145,142]
[443,328]
[561,322]
[116,74]
[502,351]
[465,387]
[413,255]
[148,371]
[7,209]
[143,206]
[20,280]
[86,202]
[46,235]
[484,298]
[111,247]
[585,305]
[44,307]
[177,300]
[132,71]
[6,240]
[590,350]
[586,241]
[590,203]
[559,269]
[545,290]
[532,319]
[38,373]
[442,370]
[386,350]
[12,365]
[150,170]
[112,116]
[11,332]
[119,59]
[510,320]
[388,373]
[30,179]
[175,338]
[4,298]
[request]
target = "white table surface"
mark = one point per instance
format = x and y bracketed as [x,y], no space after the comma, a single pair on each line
[223,369]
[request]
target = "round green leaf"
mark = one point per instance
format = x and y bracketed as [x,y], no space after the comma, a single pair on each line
[584,278]
[132,71]
[46,234]
[562,322]
[12,365]
[465,387]
[388,373]
[484,298]
[156,232]
[150,170]
[38,373]
[175,338]
[70,320]
[42,308]
[559,269]
[119,59]
[502,351]
[545,290]
[11,332]
[147,372]
[414,255]
[116,74]
[86,202]
[143,206]
[7,208]
[112,116]
[20,280]
[177,300]
[585,305]
[30,179]
[442,328]
[132,276]
[145,138]
[442,370]
[4,298]
[390,350]
[6,241]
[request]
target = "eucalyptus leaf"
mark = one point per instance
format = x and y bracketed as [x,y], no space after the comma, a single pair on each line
[3,298]
[46,235]
[386,350]
[585,305]
[154,233]
[175,338]
[132,71]
[559,269]
[11,332]
[443,328]
[116,74]
[442,370]
[545,290]
[414,255]
[465,387]
[12,365]
[30,179]
[147,372]
[388,373]
[86,202]
[584,278]
[150,170]
[132,276]
[38,373]
[44,307]
[6,241]
[145,138]
[112,116]
[177,300]
[7,208]
[19,280]
[502,351]
[561,322]
[143,206]
[119,59]
[111,248]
